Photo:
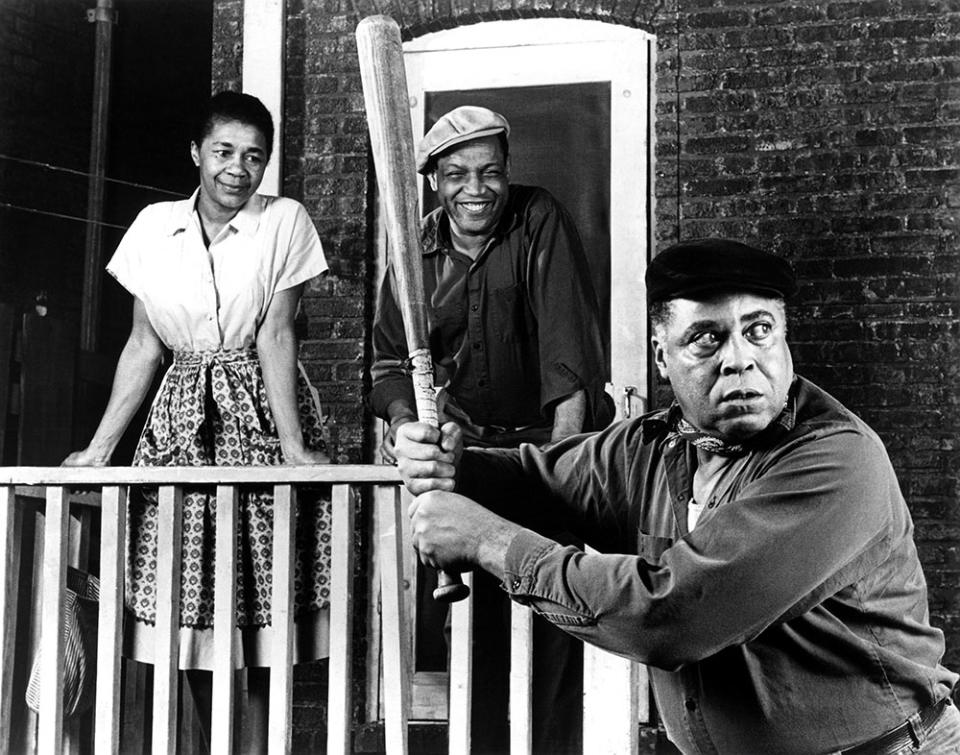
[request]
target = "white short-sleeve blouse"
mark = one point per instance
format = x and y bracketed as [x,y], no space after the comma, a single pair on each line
[201,299]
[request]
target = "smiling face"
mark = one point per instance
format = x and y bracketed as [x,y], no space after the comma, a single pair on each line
[471,182]
[727,361]
[231,159]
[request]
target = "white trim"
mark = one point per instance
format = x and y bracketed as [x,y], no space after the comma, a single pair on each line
[263,32]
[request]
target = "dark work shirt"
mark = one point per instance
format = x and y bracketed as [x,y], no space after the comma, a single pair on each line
[792,619]
[511,333]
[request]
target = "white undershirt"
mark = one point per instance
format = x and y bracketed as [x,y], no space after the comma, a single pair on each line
[711,483]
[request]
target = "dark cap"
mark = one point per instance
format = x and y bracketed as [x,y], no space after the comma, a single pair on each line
[462,124]
[696,269]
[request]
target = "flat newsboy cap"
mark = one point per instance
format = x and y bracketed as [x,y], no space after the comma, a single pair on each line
[461,124]
[695,269]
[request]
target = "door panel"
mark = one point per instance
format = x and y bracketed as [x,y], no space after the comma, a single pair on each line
[565,149]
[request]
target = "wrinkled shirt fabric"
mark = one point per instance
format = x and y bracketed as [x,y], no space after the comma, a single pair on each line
[792,619]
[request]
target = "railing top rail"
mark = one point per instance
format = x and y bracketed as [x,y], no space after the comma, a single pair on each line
[320,473]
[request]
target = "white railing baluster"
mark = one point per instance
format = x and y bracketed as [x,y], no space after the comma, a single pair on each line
[167,627]
[109,638]
[281,667]
[461,671]
[521,679]
[224,619]
[9,578]
[396,640]
[341,623]
[54,582]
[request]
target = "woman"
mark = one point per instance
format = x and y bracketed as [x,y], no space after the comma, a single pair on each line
[217,280]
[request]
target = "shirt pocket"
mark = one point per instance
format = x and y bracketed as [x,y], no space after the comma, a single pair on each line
[651,547]
[508,315]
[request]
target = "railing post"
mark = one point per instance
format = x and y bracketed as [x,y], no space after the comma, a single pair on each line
[339,727]
[55,544]
[109,641]
[461,671]
[281,609]
[9,577]
[396,640]
[224,619]
[521,679]
[166,654]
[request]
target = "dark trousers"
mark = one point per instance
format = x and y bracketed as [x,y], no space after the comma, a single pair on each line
[557,679]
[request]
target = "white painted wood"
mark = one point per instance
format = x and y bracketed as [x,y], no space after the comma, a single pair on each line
[395,628]
[54,581]
[10,537]
[281,609]
[610,691]
[113,530]
[167,628]
[262,71]
[339,708]
[86,476]
[224,620]
[461,671]
[521,679]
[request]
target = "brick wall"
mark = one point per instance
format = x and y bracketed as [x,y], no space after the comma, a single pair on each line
[824,131]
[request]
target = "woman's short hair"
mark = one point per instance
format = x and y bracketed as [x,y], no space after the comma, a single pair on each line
[235,106]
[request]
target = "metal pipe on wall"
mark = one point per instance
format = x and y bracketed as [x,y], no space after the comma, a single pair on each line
[104,16]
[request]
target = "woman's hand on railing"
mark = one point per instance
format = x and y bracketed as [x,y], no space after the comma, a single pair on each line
[304,456]
[86,458]
[427,458]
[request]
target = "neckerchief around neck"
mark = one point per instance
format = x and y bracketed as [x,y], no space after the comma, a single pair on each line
[709,443]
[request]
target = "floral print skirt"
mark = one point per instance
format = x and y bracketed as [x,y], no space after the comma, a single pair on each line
[211,409]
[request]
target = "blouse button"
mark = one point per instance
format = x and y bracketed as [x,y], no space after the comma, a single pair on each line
[690,704]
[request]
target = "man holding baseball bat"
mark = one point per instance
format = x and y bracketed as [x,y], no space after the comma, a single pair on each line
[514,332]
[754,547]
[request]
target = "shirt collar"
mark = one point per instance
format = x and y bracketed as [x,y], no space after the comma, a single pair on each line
[658,424]
[436,235]
[246,221]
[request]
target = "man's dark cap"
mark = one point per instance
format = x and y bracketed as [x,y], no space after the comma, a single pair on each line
[696,269]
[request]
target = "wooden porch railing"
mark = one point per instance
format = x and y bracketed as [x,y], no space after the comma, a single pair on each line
[611,699]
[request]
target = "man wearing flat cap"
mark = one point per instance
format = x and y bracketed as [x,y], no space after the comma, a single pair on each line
[518,354]
[755,548]
[514,322]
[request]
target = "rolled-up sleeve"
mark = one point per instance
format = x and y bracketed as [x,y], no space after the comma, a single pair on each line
[389,375]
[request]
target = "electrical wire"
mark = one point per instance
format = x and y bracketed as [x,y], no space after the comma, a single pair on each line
[73,171]
[8,205]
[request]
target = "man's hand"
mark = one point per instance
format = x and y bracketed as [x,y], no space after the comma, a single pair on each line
[454,533]
[427,458]
[388,445]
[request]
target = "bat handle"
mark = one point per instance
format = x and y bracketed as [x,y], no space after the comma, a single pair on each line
[450,588]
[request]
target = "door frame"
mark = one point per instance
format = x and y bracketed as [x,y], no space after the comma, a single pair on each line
[538,52]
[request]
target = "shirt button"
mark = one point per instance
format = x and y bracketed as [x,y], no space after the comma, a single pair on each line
[515,584]
[476,344]
[481,383]
[672,443]
[690,704]
[474,307]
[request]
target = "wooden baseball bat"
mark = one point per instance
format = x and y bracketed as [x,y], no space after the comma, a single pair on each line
[391,137]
